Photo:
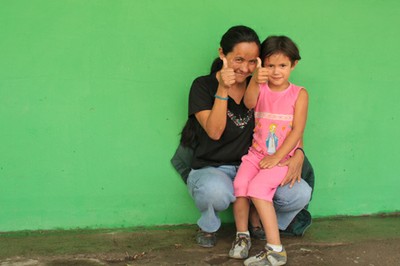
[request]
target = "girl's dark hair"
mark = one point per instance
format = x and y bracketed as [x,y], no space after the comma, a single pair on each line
[279,44]
[233,36]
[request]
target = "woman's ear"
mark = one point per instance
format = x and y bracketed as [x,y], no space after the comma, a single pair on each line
[221,53]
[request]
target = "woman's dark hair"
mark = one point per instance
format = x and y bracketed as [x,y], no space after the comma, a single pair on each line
[279,44]
[188,134]
[233,36]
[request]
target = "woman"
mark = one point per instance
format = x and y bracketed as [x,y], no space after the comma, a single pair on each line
[219,130]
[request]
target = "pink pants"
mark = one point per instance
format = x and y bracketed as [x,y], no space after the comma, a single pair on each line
[252,181]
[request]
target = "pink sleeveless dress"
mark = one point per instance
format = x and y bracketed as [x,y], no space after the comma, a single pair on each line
[273,122]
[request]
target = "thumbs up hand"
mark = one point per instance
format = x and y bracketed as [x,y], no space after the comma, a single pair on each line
[226,75]
[261,74]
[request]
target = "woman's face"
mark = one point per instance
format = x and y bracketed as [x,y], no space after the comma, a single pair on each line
[243,59]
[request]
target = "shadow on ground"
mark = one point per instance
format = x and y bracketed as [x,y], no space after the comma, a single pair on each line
[372,241]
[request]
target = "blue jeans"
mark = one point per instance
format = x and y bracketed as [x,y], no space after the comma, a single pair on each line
[212,191]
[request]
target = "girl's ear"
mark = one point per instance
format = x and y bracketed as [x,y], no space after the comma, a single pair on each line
[294,64]
[221,53]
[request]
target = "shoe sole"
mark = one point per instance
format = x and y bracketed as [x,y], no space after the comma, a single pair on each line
[206,246]
[237,257]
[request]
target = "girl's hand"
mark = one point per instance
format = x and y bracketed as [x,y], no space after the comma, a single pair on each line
[226,75]
[294,164]
[269,161]
[261,73]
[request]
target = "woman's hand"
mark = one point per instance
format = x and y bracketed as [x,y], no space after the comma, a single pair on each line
[294,164]
[226,77]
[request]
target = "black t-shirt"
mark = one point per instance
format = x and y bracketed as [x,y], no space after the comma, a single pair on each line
[236,139]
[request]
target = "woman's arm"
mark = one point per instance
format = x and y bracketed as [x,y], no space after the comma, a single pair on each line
[214,121]
[295,165]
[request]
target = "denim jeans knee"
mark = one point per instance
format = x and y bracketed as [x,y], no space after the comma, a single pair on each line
[290,201]
[212,191]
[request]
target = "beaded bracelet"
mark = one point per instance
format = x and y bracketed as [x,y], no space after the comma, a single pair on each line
[221,98]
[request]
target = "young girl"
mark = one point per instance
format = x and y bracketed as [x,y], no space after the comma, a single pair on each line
[280,111]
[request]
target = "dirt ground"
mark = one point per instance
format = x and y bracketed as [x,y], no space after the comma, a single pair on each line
[372,241]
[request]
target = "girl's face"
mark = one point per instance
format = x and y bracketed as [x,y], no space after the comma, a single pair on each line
[243,59]
[280,67]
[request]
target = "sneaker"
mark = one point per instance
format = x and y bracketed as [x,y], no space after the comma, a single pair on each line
[205,239]
[240,247]
[257,232]
[267,258]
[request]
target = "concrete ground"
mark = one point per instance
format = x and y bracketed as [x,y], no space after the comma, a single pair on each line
[372,241]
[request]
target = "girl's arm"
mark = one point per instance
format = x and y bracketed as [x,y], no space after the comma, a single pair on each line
[299,123]
[251,94]
[260,75]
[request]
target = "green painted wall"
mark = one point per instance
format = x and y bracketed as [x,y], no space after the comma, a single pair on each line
[93,95]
